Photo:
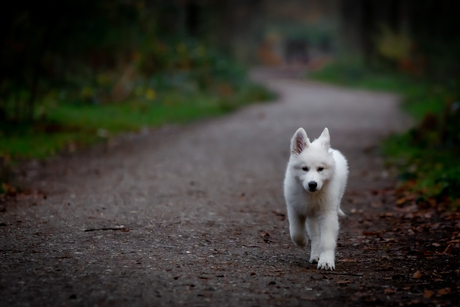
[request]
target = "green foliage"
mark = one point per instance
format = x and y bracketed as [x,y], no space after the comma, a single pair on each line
[430,172]
[100,52]
[427,155]
[392,45]
[68,127]
[68,80]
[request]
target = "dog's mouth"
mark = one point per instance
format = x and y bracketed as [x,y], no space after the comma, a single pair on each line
[311,190]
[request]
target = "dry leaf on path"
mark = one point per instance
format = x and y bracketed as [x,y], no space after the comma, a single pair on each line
[417,275]
[427,294]
[444,291]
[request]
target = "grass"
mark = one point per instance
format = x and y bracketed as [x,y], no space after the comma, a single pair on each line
[426,156]
[70,126]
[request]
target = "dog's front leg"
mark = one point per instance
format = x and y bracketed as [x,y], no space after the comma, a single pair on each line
[313,233]
[329,228]
[297,227]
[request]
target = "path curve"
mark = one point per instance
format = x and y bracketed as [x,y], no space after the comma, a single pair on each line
[195,215]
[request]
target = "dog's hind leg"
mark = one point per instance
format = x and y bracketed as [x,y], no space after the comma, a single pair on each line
[329,228]
[297,227]
[313,233]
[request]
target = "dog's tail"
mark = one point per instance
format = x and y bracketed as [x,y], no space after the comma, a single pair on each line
[341,213]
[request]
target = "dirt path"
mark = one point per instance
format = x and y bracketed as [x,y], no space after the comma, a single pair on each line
[195,216]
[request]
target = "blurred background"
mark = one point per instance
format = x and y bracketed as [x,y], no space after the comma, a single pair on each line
[76,72]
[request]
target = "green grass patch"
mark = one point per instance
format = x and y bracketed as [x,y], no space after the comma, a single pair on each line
[67,127]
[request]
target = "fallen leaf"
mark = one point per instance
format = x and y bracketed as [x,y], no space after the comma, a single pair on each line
[343,282]
[437,275]
[389,291]
[408,216]
[444,291]
[432,202]
[9,190]
[427,294]
[417,275]
[401,201]
[448,249]
[406,288]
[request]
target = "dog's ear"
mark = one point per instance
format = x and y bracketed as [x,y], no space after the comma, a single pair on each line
[299,141]
[325,139]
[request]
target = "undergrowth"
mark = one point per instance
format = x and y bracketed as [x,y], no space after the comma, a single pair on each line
[69,126]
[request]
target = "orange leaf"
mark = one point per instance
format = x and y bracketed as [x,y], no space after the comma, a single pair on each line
[427,294]
[406,288]
[444,291]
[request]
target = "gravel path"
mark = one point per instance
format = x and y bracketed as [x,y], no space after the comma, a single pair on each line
[195,215]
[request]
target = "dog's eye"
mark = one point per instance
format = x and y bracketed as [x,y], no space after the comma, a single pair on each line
[320,169]
[305,168]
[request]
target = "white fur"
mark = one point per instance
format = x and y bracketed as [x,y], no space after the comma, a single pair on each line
[316,208]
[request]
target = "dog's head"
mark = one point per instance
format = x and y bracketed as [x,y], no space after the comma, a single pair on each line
[311,163]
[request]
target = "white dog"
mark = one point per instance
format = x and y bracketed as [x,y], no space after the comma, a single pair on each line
[315,181]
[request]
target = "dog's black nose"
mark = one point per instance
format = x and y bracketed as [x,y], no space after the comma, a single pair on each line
[312,185]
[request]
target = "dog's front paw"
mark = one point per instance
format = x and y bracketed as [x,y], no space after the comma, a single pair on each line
[326,266]
[314,259]
[326,263]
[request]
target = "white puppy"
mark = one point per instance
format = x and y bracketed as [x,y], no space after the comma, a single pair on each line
[315,181]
